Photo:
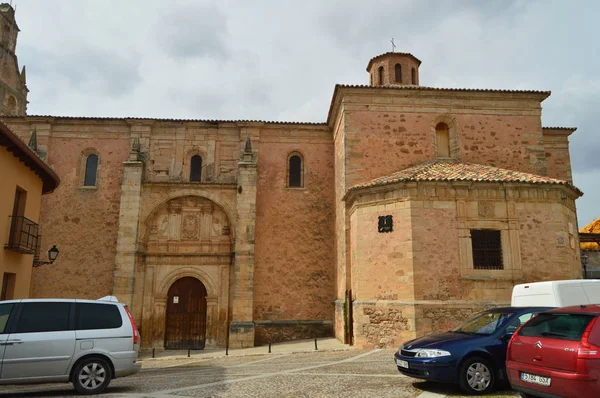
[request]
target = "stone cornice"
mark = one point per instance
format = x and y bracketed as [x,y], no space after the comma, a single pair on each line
[412,93]
[458,190]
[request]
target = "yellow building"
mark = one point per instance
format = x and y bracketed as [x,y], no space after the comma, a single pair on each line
[24,178]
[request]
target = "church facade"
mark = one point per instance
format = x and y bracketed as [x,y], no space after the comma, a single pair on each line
[409,209]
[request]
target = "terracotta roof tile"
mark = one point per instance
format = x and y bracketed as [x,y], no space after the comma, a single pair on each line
[426,88]
[449,170]
[210,121]
[389,53]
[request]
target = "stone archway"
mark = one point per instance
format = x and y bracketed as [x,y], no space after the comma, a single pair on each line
[186,315]
[185,238]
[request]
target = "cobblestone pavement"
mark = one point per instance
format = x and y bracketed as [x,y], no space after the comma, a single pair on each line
[349,373]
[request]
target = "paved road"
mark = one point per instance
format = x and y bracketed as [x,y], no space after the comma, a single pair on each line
[350,373]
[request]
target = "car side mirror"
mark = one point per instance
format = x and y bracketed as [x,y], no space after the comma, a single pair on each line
[507,336]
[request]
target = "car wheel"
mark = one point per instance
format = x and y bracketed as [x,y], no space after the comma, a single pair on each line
[92,376]
[477,376]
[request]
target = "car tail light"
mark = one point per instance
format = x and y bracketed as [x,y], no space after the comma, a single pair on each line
[136,335]
[587,350]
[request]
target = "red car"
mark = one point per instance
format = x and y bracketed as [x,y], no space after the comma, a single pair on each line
[557,354]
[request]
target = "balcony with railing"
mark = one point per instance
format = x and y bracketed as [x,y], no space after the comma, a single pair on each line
[23,236]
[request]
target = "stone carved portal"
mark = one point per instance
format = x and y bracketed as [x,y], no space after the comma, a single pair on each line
[186,239]
[189,224]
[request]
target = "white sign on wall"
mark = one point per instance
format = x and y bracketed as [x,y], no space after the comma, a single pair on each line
[175,299]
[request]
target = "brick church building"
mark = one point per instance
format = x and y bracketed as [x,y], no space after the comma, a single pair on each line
[410,208]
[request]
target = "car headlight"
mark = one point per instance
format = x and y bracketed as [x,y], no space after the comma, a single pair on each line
[428,353]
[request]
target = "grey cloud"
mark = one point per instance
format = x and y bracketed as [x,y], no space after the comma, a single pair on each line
[193,31]
[90,69]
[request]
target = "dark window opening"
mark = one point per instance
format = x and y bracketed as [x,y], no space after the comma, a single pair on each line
[8,286]
[196,168]
[398,73]
[91,171]
[295,174]
[44,317]
[413,74]
[381,75]
[5,310]
[487,249]
[90,316]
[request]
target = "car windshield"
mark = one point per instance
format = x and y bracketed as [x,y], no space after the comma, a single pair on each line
[484,323]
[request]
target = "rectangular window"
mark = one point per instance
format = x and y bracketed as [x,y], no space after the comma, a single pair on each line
[8,286]
[44,317]
[557,326]
[487,249]
[97,316]
[5,310]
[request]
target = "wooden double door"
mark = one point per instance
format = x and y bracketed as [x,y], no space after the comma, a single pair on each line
[186,315]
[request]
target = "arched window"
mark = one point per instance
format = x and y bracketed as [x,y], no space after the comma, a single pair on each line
[295,172]
[398,73]
[381,75]
[442,135]
[196,168]
[91,171]
[413,75]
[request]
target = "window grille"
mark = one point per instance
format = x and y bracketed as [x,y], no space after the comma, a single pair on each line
[487,249]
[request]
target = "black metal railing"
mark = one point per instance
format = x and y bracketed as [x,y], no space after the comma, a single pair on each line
[23,235]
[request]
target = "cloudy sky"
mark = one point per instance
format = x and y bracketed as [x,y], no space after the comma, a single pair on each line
[280,60]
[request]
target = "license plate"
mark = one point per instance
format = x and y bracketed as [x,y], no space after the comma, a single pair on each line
[535,379]
[401,363]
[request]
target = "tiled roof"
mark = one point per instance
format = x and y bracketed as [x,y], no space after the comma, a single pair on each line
[210,121]
[449,170]
[29,157]
[425,88]
[389,53]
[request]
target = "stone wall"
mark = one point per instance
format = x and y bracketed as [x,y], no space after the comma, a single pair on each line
[294,276]
[273,332]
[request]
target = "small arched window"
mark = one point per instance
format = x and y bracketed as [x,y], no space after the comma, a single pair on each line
[196,168]
[381,75]
[91,171]
[295,172]
[442,135]
[398,73]
[413,75]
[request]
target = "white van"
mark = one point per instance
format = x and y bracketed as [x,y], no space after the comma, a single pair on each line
[556,293]
[85,342]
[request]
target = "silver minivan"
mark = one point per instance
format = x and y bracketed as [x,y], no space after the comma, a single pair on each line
[85,342]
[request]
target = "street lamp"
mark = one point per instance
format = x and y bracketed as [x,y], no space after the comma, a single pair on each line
[584,261]
[52,254]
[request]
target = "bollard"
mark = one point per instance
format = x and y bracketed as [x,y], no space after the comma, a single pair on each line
[188,352]
[153,352]
[316,348]
[269,347]
[227,349]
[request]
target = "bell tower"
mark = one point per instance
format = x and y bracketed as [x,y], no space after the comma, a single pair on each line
[13,85]
[394,69]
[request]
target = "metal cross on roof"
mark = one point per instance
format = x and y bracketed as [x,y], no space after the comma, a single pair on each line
[393,45]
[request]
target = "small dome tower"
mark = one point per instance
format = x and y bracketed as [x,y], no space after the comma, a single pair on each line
[394,69]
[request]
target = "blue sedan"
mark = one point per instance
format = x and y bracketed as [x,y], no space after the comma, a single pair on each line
[472,354]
